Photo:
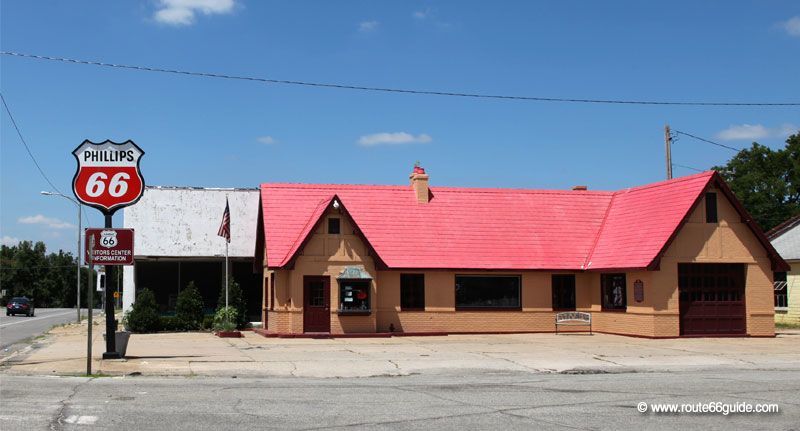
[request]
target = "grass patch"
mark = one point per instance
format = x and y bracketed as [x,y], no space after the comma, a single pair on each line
[787,325]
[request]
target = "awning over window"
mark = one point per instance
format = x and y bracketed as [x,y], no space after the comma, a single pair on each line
[354,273]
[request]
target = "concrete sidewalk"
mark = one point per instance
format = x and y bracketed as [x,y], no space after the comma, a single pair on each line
[63,352]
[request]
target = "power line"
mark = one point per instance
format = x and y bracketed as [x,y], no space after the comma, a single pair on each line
[26,145]
[708,141]
[391,90]
[25,268]
[27,148]
[688,167]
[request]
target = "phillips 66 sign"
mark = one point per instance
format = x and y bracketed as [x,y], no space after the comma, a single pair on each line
[108,176]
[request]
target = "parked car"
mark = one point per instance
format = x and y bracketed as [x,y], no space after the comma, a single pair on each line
[20,306]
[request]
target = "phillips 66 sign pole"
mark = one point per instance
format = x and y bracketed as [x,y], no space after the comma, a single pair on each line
[108,178]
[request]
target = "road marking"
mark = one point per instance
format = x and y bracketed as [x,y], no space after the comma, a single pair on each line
[81,420]
[37,318]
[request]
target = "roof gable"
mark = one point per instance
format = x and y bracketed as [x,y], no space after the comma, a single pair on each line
[641,220]
[786,238]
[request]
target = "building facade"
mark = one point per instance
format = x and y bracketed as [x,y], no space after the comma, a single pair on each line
[669,259]
[786,240]
[176,243]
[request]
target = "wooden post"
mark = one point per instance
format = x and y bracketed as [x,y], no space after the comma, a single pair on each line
[90,306]
[668,148]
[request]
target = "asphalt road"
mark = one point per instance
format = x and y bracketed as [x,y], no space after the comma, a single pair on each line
[14,329]
[470,400]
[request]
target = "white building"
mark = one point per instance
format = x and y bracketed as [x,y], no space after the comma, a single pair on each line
[786,240]
[176,242]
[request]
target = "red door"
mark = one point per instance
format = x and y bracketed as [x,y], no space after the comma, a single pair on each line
[316,304]
[712,298]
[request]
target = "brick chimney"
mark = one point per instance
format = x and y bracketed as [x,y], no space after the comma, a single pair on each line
[580,188]
[419,182]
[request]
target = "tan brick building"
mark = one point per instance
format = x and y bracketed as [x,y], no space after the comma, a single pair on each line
[674,258]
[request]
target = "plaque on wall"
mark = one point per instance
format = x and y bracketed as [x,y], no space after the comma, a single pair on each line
[638,290]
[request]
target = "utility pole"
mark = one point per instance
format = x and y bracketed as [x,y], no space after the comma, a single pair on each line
[668,149]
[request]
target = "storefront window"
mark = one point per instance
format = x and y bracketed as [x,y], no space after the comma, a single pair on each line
[488,292]
[563,292]
[613,291]
[412,292]
[354,296]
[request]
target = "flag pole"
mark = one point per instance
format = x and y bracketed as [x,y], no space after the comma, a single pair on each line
[227,241]
[225,232]
[226,274]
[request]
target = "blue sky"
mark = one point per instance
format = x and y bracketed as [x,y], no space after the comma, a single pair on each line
[222,133]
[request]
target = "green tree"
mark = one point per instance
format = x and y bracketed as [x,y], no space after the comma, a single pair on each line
[766,181]
[236,301]
[27,270]
[24,268]
[189,308]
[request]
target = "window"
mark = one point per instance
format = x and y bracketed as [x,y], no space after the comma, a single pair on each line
[354,296]
[488,292]
[333,226]
[613,293]
[316,293]
[711,207]
[412,292]
[781,292]
[563,291]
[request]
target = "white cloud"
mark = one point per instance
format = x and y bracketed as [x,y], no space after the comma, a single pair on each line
[368,26]
[422,14]
[50,222]
[183,12]
[743,131]
[267,140]
[9,240]
[753,132]
[792,26]
[393,139]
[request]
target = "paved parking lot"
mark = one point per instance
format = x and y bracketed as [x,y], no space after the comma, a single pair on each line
[192,354]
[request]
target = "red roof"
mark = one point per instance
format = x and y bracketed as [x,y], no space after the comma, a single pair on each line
[501,229]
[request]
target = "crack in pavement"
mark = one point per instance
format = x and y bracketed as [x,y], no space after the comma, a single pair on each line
[56,423]
[602,359]
[501,358]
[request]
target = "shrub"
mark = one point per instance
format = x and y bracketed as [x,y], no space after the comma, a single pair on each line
[143,316]
[189,308]
[236,301]
[170,323]
[208,321]
[225,319]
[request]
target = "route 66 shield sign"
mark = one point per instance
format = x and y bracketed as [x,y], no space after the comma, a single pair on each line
[108,176]
[108,239]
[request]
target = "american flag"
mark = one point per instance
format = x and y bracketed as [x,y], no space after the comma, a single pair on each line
[225,226]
